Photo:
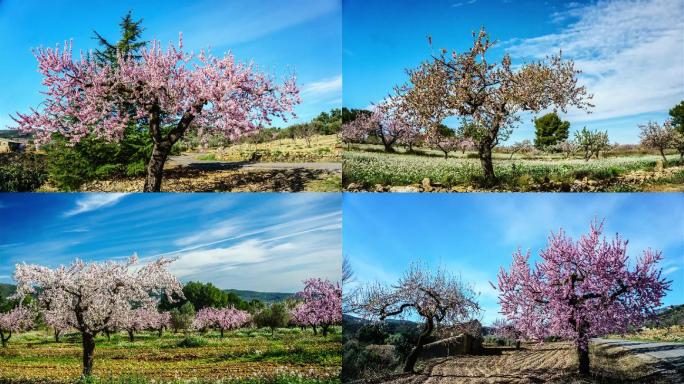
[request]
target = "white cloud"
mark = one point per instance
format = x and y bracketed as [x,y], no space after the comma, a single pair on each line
[218,231]
[95,201]
[219,259]
[670,270]
[631,54]
[323,87]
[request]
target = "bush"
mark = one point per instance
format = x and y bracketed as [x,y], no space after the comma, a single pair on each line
[21,172]
[192,341]
[366,362]
[72,165]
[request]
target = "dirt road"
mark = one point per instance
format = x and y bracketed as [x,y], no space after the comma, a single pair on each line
[190,160]
[667,356]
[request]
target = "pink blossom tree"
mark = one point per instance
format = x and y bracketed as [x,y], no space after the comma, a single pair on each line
[57,321]
[159,322]
[505,330]
[171,93]
[90,296]
[384,122]
[221,319]
[353,132]
[141,319]
[321,306]
[435,296]
[581,289]
[16,320]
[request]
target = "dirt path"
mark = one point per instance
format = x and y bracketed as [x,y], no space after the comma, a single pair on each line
[190,160]
[666,356]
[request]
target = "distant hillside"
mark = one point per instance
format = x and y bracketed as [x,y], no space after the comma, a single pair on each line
[351,324]
[671,315]
[7,290]
[266,297]
[11,134]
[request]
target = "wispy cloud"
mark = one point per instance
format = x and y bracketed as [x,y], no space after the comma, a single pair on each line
[630,52]
[670,270]
[94,201]
[323,88]
[248,21]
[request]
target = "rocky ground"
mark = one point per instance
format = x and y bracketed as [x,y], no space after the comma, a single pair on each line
[251,180]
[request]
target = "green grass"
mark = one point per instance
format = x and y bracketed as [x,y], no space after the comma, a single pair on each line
[247,355]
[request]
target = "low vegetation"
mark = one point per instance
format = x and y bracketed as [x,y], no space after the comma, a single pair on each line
[367,169]
[242,356]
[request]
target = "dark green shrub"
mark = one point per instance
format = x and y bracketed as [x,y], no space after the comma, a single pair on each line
[192,341]
[21,172]
[72,165]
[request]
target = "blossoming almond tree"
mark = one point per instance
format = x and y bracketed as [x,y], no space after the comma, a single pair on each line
[435,296]
[90,296]
[222,319]
[16,320]
[57,321]
[581,289]
[660,137]
[170,92]
[384,123]
[488,96]
[321,306]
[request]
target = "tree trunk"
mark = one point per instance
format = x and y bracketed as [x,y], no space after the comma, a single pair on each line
[662,153]
[109,335]
[88,341]
[517,344]
[412,358]
[4,339]
[222,333]
[155,168]
[446,155]
[160,331]
[315,329]
[56,336]
[583,357]
[485,154]
[131,337]
[324,329]
[388,147]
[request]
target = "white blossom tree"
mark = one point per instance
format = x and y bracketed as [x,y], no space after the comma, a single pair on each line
[435,296]
[89,296]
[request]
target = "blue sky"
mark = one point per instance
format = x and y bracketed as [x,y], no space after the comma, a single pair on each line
[473,234]
[304,36]
[255,241]
[631,52]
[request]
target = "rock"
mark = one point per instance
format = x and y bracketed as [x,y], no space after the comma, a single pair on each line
[379,188]
[659,166]
[427,187]
[404,188]
[353,187]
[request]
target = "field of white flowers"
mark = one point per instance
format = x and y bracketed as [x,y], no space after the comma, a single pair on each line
[367,169]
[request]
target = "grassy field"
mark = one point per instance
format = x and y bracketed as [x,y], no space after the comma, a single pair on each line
[367,169]
[324,148]
[534,363]
[243,356]
[672,334]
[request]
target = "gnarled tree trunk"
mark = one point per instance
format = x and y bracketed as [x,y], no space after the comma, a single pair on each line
[485,153]
[412,358]
[88,341]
